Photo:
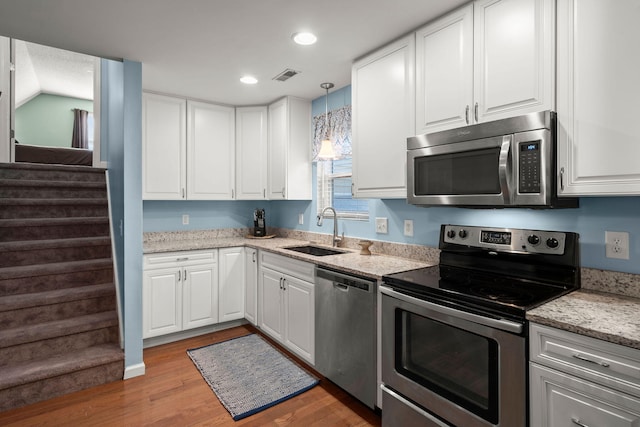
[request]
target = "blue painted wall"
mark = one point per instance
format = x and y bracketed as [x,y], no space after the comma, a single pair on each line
[594,216]
[121,106]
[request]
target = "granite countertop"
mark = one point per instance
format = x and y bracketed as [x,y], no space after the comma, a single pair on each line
[374,266]
[610,317]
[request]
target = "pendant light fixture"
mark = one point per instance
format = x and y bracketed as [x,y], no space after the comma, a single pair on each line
[326,147]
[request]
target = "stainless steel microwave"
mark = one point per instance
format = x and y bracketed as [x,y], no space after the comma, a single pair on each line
[503,163]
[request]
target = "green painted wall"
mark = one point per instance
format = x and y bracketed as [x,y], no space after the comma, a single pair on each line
[48,120]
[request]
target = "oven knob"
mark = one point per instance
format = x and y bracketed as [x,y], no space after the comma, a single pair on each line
[533,239]
[451,234]
[463,234]
[552,242]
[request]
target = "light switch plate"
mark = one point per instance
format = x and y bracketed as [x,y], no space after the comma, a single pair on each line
[381,226]
[408,227]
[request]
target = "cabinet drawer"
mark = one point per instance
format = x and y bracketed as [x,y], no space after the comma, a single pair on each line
[562,400]
[602,362]
[293,267]
[162,260]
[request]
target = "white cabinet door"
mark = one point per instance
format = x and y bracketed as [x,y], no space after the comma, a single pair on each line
[270,294]
[299,316]
[559,400]
[200,300]
[251,153]
[383,97]
[289,169]
[210,151]
[598,93]
[232,283]
[514,57]
[163,147]
[251,285]
[444,72]
[162,301]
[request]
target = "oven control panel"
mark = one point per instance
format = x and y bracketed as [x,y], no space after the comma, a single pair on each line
[506,239]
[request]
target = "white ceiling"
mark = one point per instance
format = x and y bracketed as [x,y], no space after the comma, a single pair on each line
[200,48]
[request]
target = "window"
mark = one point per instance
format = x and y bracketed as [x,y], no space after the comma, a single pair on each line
[334,176]
[334,189]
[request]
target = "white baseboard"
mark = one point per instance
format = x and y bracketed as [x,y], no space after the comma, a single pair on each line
[134,371]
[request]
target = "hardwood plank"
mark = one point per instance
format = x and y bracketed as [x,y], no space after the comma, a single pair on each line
[173,393]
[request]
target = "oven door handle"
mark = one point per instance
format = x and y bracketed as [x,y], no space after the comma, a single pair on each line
[505,325]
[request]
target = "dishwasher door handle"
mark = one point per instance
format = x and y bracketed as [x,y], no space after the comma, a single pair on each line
[341,287]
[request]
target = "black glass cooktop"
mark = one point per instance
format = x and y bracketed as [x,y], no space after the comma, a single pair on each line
[494,292]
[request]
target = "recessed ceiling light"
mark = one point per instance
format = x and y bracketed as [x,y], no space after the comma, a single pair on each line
[304,39]
[249,80]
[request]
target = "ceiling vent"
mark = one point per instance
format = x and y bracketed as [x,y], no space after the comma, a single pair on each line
[286,75]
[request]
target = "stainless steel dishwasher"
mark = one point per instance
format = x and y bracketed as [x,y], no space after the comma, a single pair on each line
[346,332]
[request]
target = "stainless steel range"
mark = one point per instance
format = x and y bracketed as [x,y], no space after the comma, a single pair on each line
[454,350]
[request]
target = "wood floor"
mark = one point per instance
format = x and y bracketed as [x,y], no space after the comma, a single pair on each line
[173,393]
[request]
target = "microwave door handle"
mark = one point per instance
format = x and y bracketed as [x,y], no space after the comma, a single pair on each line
[504,169]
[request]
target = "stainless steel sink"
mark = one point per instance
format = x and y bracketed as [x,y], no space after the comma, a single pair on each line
[314,250]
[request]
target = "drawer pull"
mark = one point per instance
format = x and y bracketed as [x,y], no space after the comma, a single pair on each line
[577,422]
[182,259]
[584,359]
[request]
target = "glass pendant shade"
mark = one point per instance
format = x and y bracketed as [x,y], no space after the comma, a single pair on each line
[326,150]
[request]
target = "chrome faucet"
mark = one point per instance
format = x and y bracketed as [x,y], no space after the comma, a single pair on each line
[336,239]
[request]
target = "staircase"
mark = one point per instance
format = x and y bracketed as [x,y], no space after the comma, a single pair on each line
[58,317]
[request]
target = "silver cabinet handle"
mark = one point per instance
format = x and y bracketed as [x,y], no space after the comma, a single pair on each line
[283,192]
[562,178]
[475,112]
[233,194]
[466,114]
[182,259]
[253,256]
[182,193]
[281,279]
[264,193]
[585,359]
[284,284]
[577,422]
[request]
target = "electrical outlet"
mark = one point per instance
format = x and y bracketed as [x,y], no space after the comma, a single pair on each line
[617,244]
[185,219]
[381,225]
[408,227]
[300,219]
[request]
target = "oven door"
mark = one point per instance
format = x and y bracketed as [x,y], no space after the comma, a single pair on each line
[466,369]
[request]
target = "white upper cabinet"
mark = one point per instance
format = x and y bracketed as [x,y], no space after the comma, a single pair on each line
[289,168]
[444,72]
[164,138]
[188,149]
[489,60]
[210,151]
[251,153]
[598,93]
[383,97]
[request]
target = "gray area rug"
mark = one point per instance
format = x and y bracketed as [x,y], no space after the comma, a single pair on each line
[249,375]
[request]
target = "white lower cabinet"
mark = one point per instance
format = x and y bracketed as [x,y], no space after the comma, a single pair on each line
[582,381]
[180,291]
[251,285]
[286,303]
[231,288]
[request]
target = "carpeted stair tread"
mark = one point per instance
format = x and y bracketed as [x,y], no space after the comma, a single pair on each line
[46,222]
[81,201]
[53,184]
[41,331]
[51,167]
[17,374]
[54,268]
[37,299]
[24,245]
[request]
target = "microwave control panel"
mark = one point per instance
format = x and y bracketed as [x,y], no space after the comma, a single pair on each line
[529,167]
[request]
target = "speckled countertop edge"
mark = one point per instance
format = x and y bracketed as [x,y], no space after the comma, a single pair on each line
[609,317]
[374,266]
